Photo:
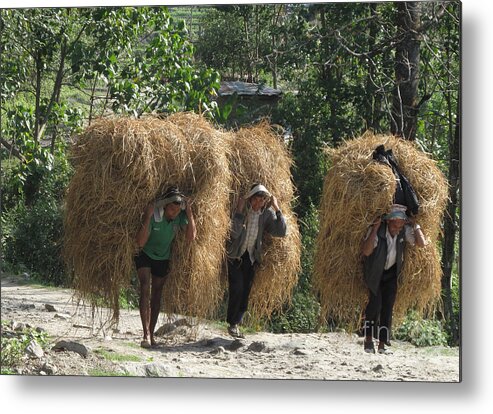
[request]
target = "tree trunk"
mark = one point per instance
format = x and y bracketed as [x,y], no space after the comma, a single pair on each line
[37,110]
[404,105]
[91,105]
[57,87]
[372,107]
[450,227]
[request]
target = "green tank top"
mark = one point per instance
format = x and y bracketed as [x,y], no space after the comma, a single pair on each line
[161,234]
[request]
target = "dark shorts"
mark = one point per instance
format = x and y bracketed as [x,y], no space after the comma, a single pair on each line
[159,268]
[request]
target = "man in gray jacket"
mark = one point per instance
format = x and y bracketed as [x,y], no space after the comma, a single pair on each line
[251,220]
[383,251]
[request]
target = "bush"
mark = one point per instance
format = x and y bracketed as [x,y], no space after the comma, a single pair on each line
[32,238]
[32,234]
[302,315]
[421,332]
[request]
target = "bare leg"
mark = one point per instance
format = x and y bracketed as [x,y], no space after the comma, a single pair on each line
[144,274]
[156,294]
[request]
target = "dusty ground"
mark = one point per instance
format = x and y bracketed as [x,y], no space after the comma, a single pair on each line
[204,349]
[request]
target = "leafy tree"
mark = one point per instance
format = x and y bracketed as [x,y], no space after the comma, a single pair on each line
[243,41]
[141,57]
[60,68]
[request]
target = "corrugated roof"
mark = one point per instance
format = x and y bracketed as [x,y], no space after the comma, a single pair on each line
[228,88]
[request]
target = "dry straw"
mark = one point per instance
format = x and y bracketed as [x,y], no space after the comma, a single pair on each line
[258,155]
[356,191]
[120,166]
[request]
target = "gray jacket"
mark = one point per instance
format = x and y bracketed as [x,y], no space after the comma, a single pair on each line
[374,264]
[269,221]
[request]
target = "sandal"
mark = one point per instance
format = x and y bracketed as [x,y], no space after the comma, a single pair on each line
[382,349]
[145,344]
[234,331]
[369,347]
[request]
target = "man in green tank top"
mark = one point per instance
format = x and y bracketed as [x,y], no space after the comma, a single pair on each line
[162,220]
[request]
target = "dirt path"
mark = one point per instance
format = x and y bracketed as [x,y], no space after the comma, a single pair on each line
[205,349]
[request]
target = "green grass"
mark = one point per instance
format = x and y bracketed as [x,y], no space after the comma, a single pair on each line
[13,348]
[133,345]
[442,351]
[116,357]
[6,371]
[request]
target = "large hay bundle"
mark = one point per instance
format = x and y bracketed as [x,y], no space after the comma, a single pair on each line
[258,155]
[356,191]
[120,166]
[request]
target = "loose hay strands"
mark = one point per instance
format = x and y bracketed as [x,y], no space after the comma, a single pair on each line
[257,154]
[194,286]
[120,166]
[356,191]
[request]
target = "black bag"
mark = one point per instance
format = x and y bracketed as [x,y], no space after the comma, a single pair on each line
[404,192]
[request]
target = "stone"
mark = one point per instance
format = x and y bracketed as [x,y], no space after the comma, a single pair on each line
[71,346]
[18,326]
[258,347]
[236,344]
[377,368]
[299,351]
[79,325]
[49,369]
[50,308]
[165,329]
[63,316]
[33,349]
[157,369]
[218,351]
[209,342]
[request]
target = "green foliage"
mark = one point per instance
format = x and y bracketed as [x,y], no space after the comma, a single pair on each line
[302,314]
[14,345]
[32,234]
[421,332]
[297,114]
[129,297]
[236,39]
[32,237]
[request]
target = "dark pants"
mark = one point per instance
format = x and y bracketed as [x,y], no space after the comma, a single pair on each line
[240,280]
[378,313]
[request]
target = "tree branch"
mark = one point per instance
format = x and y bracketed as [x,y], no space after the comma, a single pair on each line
[12,149]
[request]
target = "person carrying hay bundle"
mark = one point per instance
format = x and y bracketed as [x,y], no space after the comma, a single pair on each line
[162,219]
[383,251]
[251,219]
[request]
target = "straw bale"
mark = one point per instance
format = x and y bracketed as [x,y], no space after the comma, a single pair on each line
[258,155]
[356,191]
[120,166]
[194,286]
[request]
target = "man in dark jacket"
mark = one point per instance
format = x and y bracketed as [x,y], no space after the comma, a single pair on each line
[383,251]
[244,248]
